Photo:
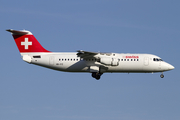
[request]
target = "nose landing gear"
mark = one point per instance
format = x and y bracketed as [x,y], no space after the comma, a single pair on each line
[162,76]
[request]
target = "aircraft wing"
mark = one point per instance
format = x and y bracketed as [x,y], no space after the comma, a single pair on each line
[86,54]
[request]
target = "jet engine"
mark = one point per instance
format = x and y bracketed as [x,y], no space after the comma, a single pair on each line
[109,61]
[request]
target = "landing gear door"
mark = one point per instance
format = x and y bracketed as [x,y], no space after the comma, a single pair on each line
[146,61]
[94,69]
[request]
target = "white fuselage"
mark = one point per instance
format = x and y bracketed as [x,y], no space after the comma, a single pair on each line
[70,62]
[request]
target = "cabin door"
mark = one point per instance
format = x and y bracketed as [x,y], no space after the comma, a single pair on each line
[146,61]
[51,60]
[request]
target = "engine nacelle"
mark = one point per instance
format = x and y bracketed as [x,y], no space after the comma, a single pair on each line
[115,62]
[109,61]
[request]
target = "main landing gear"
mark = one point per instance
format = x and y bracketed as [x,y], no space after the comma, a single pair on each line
[162,76]
[96,75]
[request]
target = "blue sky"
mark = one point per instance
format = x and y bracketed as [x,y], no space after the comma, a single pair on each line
[121,26]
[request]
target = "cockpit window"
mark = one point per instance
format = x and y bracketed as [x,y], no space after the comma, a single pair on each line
[157,59]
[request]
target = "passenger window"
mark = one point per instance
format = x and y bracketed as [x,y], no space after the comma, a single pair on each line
[121,59]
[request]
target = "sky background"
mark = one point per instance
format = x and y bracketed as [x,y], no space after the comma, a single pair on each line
[29,92]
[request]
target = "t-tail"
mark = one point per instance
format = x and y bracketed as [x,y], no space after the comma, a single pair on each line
[26,42]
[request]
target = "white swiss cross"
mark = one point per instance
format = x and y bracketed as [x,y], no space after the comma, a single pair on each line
[26,43]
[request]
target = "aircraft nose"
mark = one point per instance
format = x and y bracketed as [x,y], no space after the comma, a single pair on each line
[171,67]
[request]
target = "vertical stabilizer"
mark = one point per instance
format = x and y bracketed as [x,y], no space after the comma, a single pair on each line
[26,42]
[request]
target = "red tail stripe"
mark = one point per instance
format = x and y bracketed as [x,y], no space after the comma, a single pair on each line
[28,43]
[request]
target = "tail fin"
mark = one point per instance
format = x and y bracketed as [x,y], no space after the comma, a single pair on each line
[26,42]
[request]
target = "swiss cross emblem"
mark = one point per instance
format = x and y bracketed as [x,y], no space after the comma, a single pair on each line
[26,43]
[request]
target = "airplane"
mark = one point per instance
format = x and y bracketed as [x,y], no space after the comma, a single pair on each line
[95,63]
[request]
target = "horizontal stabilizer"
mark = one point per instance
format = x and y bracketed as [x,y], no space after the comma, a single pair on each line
[16,32]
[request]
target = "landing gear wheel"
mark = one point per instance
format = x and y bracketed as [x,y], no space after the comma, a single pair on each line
[96,75]
[162,76]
